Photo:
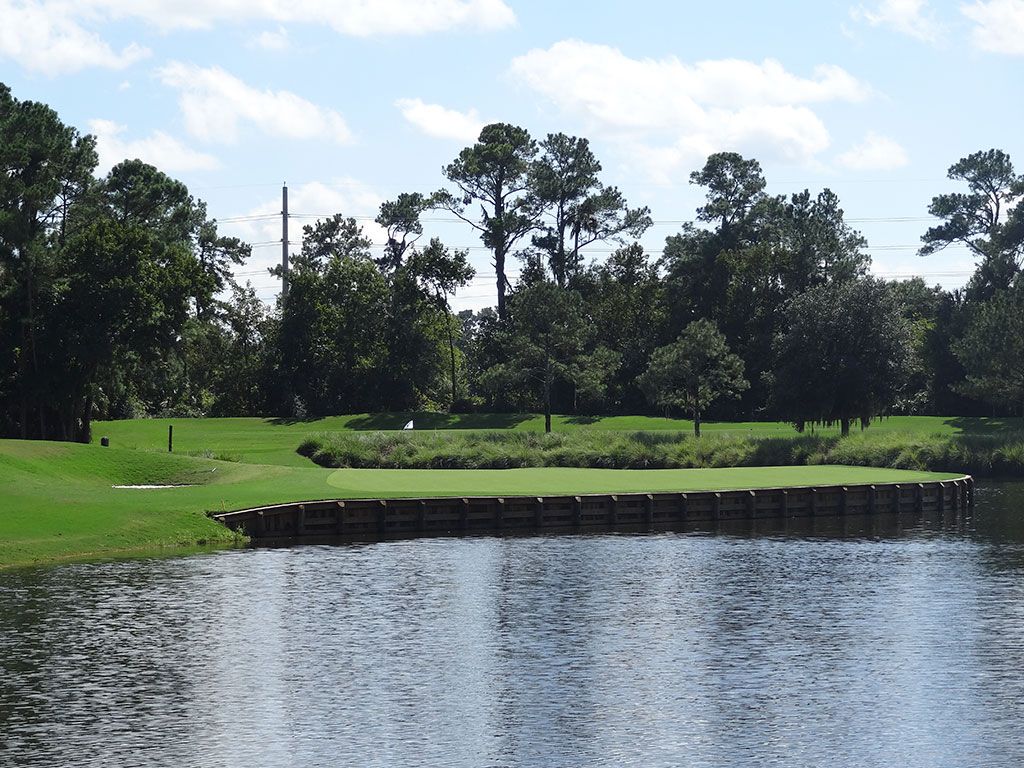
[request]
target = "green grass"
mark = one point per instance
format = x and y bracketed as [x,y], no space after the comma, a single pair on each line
[59,504]
[273,441]
[553,481]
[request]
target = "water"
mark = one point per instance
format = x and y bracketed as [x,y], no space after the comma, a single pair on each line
[884,645]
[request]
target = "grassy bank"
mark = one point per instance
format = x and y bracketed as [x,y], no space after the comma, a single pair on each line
[984,455]
[273,441]
[59,502]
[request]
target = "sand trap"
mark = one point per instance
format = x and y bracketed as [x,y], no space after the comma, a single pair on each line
[149,487]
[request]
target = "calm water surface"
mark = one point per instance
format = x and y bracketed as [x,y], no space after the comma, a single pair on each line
[883,644]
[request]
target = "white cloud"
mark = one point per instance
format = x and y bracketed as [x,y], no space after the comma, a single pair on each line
[159,149]
[667,113]
[41,39]
[214,102]
[361,18]
[59,36]
[271,41]
[908,17]
[999,25]
[441,122]
[874,153]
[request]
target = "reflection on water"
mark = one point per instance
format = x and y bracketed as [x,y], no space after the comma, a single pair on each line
[859,642]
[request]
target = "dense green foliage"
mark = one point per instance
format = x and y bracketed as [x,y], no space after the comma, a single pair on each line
[984,456]
[117,298]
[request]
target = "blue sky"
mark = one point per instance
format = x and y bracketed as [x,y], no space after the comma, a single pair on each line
[355,101]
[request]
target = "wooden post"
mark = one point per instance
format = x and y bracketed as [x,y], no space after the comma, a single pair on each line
[898,490]
[261,524]
[464,515]
[339,519]
[170,438]
[872,499]
[919,499]
[843,500]
[499,514]
[613,512]
[970,492]
[300,520]
[382,517]
[649,510]
[751,505]
[684,507]
[421,517]
[784,509]
[716,507]
[538,512]
[577,511]
[812,504]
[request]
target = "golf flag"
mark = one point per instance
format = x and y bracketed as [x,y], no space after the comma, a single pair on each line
[408,425]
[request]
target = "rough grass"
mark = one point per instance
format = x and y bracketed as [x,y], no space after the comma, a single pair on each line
[978,454]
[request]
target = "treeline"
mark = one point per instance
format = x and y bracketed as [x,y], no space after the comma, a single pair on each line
[116,298]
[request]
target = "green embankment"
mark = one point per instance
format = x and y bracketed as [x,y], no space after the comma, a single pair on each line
[58,502]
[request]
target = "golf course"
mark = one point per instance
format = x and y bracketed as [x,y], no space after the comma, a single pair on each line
[65,501]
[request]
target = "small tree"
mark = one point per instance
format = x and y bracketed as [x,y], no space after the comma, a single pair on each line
[693,372]
[543,343]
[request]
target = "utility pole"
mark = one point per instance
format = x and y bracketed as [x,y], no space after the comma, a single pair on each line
[284,241]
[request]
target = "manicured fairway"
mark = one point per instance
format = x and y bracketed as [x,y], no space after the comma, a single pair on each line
[273,441]
[58,502]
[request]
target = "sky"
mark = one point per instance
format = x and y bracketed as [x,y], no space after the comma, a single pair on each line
[352,102]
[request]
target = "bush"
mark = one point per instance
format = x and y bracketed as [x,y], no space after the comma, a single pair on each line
[494,449]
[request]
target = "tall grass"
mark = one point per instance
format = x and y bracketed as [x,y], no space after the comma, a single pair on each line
[990,455]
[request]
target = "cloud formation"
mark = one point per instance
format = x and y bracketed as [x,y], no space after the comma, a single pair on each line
[271,41]
[56,36]
[159,149]
[999,25]
[214,103]
[668,113]
[908,17]
[441,122]
[874,153]
[43,40]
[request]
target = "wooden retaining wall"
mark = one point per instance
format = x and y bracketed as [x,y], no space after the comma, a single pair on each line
[439,516]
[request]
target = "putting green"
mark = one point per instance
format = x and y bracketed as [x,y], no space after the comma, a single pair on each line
[391,483]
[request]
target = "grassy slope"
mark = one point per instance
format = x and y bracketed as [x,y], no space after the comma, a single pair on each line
[58,502]
[273,441]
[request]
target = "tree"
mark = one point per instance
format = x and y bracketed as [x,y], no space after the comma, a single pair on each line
[401,220]
[494,174]
[543,341]
[441,271]
[992,351]
[334,323]
[46,167]
[623,297]
[582,210]
[988,220]
[697,275]
[693,372]
[845,354]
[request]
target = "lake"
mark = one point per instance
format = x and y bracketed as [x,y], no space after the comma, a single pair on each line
[860,642]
